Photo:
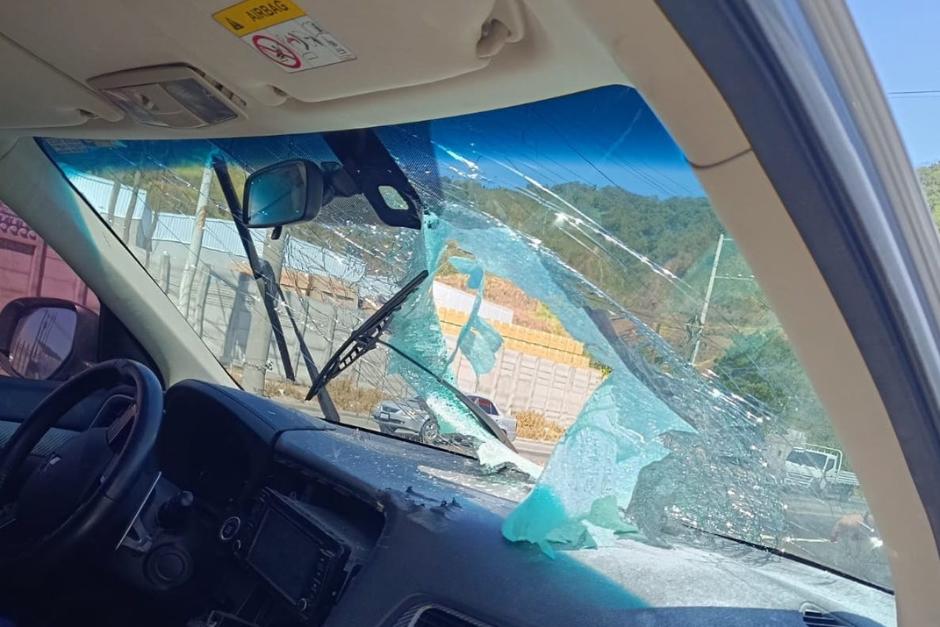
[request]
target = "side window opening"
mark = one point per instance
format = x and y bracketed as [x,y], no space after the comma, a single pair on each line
[48,315]
[487,406]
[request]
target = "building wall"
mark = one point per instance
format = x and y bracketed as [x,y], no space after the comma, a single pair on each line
[28,267]
[447,297]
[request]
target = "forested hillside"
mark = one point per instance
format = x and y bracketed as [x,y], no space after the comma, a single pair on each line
[653,256]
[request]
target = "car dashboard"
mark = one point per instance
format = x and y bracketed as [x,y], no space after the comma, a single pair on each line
[241,534]
[267,516]
[264,515]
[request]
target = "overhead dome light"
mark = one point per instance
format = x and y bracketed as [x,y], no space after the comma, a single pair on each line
[170,96]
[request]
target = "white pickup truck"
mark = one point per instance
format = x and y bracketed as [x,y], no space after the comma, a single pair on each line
[819,469]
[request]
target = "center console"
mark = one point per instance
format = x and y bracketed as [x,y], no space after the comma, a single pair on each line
[305,554]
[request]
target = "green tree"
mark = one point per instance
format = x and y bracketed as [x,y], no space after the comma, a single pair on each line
[930,182]
[761,366]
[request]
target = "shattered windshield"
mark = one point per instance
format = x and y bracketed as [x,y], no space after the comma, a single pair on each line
[581,289]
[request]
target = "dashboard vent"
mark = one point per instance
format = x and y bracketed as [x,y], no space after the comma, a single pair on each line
[814,616]
[436,616]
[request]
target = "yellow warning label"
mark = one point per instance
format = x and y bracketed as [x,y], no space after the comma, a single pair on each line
[247,17]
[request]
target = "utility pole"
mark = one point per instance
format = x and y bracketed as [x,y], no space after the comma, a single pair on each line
[131,208]
[259,331]
[195,242]
[708,296]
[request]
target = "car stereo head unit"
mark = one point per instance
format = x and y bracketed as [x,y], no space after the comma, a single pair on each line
[297,549]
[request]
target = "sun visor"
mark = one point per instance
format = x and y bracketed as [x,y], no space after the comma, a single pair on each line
[265,51]
[36,95]
[315,52]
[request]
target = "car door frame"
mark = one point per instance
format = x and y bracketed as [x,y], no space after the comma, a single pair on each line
[796,77]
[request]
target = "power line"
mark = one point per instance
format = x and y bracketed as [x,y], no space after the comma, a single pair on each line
[915,91]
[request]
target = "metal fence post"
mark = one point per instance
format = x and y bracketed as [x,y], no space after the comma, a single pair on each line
[165,272]
[203,279]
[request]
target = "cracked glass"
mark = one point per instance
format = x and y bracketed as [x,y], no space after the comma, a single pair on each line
[581,289]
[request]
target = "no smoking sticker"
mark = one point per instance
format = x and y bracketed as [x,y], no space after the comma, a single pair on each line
[276,51]
[283,33]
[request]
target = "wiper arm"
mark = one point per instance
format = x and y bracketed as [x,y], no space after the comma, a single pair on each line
[364,338]
[270,291]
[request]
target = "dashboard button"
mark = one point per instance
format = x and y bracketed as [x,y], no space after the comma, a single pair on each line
[230,528]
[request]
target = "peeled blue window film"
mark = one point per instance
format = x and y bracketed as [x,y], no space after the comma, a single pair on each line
[477,340]
[612,438]
[472,269]
[599,459]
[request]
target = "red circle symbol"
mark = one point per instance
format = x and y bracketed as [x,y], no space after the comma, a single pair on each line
[276,51]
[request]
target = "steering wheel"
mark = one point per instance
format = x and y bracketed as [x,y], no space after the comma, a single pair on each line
[90,487]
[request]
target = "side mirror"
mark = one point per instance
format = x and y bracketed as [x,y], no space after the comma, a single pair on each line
[47,338]
[283,193]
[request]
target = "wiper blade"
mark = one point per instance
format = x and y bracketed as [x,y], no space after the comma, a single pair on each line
[790,556]
[365,337]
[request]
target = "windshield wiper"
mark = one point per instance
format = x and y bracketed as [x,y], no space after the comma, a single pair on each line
[364,337]
[368,335]
[791,556]
[270,289]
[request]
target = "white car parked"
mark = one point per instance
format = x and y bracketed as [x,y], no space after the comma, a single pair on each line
[505,421]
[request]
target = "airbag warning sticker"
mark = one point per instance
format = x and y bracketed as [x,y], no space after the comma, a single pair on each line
[281,31]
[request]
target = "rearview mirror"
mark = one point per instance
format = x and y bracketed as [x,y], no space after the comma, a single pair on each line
[283,193]
[46,338]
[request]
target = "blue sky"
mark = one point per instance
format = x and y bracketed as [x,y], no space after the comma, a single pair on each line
[607,136]
[903,41]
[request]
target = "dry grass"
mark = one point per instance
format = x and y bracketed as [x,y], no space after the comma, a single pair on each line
[532,425]
[348,397]
[345,394]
